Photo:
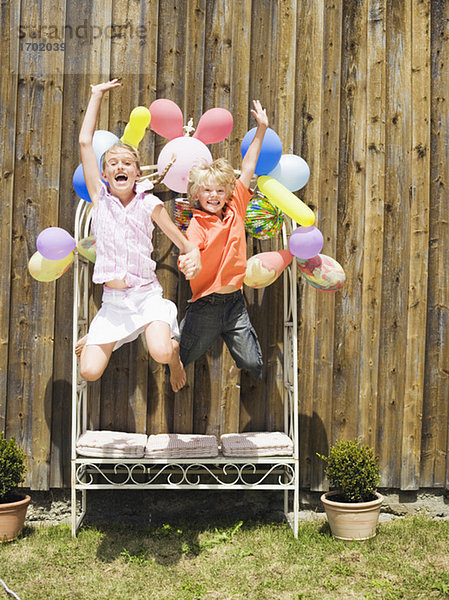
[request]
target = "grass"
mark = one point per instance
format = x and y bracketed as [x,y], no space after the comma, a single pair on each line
[408,559]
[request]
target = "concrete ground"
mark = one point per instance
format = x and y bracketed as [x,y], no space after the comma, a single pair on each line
[145,507]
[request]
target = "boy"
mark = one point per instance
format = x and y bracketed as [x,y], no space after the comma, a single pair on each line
[218,229]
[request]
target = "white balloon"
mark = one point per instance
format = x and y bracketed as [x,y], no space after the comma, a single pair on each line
[102,141]
[189,152]
[292,171]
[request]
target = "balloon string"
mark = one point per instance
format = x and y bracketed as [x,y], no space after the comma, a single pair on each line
[155,177]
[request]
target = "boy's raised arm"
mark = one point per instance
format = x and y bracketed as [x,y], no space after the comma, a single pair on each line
[88,158]
[252,154]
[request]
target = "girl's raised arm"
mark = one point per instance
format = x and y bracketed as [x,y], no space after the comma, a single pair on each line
[88,158]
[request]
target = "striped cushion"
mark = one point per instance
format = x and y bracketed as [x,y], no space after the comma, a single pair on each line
[258,443]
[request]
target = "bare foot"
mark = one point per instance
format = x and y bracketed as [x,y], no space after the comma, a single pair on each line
[80,345]
[177,373]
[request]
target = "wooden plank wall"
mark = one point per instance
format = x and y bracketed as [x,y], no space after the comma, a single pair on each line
[360,90]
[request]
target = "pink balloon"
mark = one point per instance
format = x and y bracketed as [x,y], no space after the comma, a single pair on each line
[55,243]
[166,118]
[305,242]
[214,126]
[189,153]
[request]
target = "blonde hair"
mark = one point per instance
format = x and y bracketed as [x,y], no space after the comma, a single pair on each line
[219,171]
[122,146]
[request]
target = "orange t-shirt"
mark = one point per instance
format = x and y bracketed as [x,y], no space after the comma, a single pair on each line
[222,244]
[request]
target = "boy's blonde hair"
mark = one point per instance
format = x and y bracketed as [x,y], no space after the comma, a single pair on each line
[122,146]
[219,171]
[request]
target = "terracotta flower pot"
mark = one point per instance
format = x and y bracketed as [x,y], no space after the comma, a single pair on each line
[12,518]
[352,521]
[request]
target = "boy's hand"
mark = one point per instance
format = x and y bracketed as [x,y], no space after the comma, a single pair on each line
[102,88]
[260,114]
[190,263]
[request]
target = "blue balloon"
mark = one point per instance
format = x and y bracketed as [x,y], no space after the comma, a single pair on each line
[79,184]
[270,153]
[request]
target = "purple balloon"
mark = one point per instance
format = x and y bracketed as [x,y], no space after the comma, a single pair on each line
[55,243]
[306,242]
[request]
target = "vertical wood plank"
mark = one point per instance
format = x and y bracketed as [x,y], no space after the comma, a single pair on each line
[373,231]
[326,206]
[434,472]
[38,150]
[9,31]
[419,240]
[309,97]
[396,239]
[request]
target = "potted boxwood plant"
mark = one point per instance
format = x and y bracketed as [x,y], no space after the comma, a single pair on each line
[13,504]
[353,506]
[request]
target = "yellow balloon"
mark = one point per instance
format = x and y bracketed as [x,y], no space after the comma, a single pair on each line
[284,199]
[132,136]
[139,119]
[43,269]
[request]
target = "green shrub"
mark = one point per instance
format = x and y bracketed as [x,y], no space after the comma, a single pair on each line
[353,470]
[12,467]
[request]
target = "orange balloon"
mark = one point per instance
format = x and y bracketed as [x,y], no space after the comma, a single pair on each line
[263,269]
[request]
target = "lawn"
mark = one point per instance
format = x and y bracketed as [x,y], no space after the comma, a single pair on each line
[409,558]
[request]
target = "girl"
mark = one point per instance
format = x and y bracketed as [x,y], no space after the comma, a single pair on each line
[122,221]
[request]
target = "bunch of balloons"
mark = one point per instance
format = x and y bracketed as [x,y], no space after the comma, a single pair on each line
[279,175]
[183,152]
[54,255]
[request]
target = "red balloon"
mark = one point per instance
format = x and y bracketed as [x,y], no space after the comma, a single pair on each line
[166,118]
[214,126]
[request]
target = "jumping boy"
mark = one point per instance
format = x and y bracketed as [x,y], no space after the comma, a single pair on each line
[218,229]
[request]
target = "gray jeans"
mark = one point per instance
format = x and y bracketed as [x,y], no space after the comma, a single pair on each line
[222,315]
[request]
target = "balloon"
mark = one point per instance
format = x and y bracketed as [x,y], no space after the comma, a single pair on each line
[55,243]
[287,201]
[139,119]
[305,242]
[263,220]
[322,272]
[166,118]
[43,269]
[263,269]
[79,184]
[214,126]
[88,248]
[102,141]
[183,213]
[189,153]
[292,171]
[270,153]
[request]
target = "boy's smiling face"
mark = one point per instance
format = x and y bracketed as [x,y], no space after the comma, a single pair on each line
[212,198]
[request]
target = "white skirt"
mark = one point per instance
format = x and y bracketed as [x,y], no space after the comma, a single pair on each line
[124,314]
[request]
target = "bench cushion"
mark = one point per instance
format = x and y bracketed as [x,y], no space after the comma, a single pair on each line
[181,445]
[257,443]
[111,444]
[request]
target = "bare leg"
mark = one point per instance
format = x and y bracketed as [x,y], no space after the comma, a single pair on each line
[94,360]
[80,345]
[165,350]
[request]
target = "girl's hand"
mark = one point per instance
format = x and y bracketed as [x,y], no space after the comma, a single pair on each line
[190,263]
[260,114]
[102,88]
